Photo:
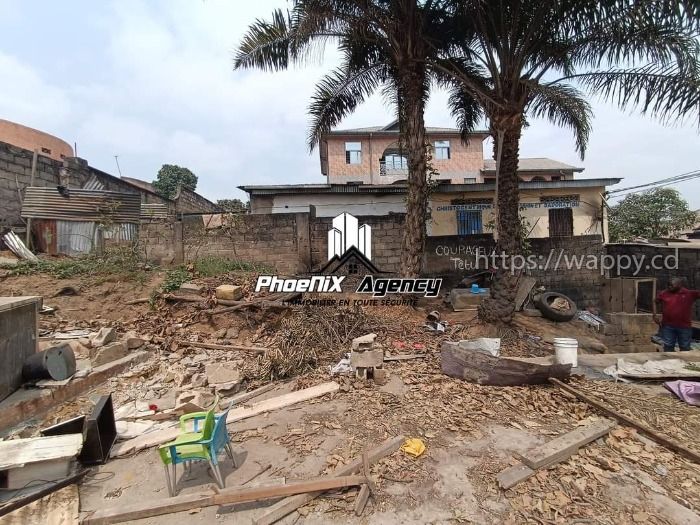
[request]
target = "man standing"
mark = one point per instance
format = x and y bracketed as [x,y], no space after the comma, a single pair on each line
[677,307]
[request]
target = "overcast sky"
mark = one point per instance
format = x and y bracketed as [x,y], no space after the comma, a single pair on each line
[152,82]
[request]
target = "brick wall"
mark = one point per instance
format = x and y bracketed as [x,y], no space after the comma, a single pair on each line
[273,240]
[386,240]
[455,257]
[466,160]
[187,201]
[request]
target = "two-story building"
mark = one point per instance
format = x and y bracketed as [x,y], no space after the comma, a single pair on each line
[366,170]
[375,156]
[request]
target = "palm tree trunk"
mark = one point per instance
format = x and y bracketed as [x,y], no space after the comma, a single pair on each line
[413,240]
[500,305]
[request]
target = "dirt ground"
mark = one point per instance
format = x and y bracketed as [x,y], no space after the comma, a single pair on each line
[471,432]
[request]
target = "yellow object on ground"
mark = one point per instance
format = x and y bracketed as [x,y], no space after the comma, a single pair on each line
[414,446]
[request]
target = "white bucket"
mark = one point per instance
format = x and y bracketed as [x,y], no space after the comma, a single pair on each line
[566,351]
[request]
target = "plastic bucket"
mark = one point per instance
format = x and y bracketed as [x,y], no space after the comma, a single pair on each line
[566,351]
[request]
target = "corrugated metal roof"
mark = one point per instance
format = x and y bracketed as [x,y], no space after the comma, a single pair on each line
[534,164]
[402,188]
[154,211]
[81,205]
[379,130]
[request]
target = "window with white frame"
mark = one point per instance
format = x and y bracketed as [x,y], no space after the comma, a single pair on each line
[442,149]
[469,180]
[353,153]
[396,162]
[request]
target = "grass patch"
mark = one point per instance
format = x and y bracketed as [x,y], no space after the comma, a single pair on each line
[174,278]
[121,262]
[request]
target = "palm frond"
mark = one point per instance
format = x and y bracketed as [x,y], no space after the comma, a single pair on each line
[466,110]
[266,44]
[564,106]
[338,94]
[663,91]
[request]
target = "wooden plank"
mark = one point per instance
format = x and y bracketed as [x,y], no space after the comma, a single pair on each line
[288,505]
[18,503]
[513,475]
[564,446]
[245,396]
[629,296]
[666,441]
[223,497]
[18,452]
[62,507]
[163,436]
[524,288]
[616,294]
[361,500]
[214,346]
[485,369]
[404,357]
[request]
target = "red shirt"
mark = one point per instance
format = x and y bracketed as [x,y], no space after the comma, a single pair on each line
[678,307]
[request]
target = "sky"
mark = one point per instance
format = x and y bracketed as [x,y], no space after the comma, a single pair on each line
[152,82]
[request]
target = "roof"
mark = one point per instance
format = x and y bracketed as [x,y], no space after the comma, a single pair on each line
[534,164]
[393,129]
[81,205]
[141,184]
[403,188]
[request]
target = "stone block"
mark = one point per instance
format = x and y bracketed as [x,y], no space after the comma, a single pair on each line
[110,352]
[612,329]
[133,341]
[104,336]
[229,292]
[191,288]
[221,374]
[364,342]
[367,359]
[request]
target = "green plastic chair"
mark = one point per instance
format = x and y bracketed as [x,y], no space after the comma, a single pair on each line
[198,445]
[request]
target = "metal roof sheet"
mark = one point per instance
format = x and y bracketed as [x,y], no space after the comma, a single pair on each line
[534,164]
[81,205]
[402,188]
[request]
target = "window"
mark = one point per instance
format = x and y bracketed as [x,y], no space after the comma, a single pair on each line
[470,180]
[561,222]
[353,153]
[442,149]
[396,162]
[490,180]
[46,150]
[469,222]
[353,268]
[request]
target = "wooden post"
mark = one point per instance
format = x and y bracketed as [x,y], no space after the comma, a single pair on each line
[28,239]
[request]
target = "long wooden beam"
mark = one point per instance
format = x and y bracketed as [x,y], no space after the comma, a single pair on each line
[288,505]
[650,432]
[223,497]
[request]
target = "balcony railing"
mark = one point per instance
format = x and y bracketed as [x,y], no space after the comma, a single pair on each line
[392,170]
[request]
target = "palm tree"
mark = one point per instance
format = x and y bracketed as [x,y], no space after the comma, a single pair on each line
[386,45]
[536,58]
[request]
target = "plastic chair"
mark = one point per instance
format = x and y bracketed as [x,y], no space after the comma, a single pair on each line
[197,445]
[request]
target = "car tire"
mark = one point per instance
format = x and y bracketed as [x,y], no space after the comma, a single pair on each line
[543,304]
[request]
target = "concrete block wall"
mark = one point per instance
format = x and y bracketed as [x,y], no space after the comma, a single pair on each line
[272,240]
[157,241]
[15,174]
[386,240]
[627,333]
